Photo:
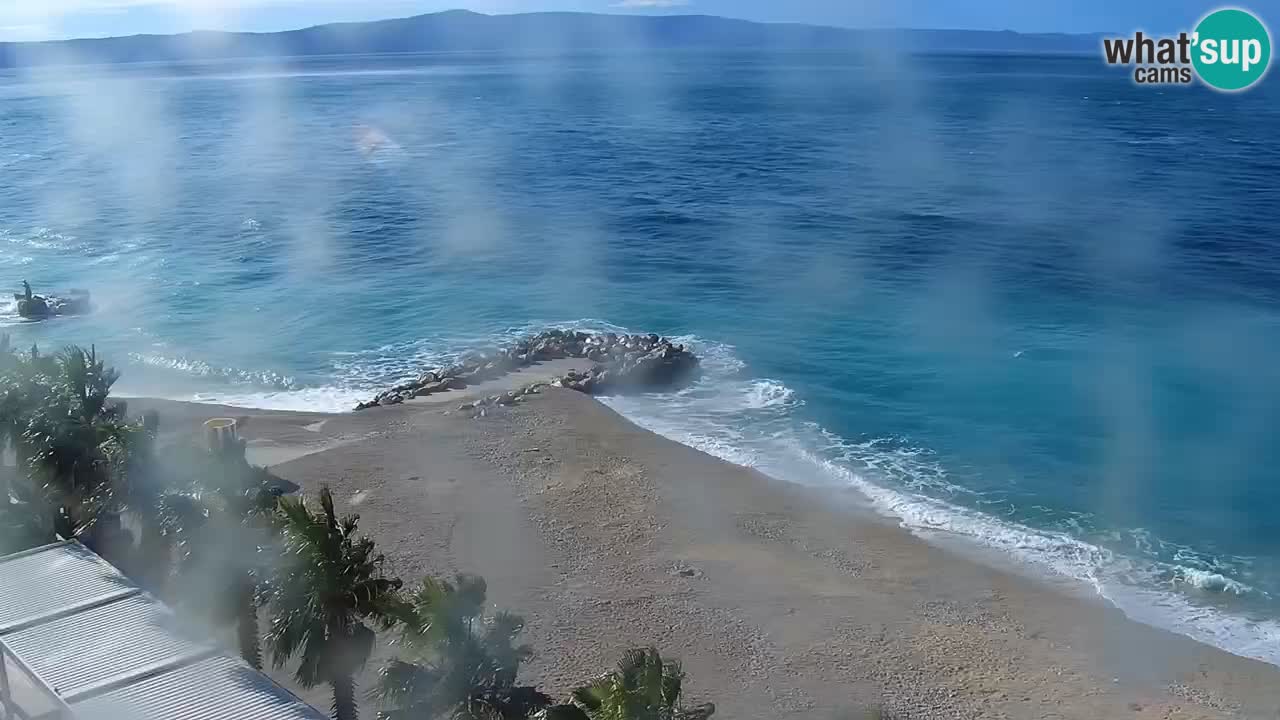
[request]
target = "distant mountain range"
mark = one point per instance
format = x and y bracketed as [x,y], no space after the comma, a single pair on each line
[462,30]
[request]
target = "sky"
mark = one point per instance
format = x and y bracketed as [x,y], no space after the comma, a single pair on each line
[57,19]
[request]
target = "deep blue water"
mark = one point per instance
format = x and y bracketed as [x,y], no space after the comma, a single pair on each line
[1017,300]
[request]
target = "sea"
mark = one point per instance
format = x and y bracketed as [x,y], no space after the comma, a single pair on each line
[1019,302]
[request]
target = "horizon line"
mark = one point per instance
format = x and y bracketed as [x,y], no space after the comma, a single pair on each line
[844,28]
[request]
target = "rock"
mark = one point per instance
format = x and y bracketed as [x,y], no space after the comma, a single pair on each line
[686,571]
[39,307]
[622,363]
[35,308]
[467,406]
[433,387]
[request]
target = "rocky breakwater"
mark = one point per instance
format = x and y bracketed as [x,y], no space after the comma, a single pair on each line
[621,364]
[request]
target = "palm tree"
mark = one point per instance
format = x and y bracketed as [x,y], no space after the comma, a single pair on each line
[643,687]
[25,382]
[20,527]
[66,440]
[72,438]
[465,663]
[223,538]
[331,582]
[31,511]
[89,380]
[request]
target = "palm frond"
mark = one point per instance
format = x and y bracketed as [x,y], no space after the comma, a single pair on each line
[643,687]
[471,661]
[594,695]
[329,582]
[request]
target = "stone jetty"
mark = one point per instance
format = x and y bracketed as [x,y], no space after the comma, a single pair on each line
[622,363]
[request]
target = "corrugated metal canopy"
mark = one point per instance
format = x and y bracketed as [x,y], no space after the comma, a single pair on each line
[218,688]
[79,651]
[82,631]
[42,582]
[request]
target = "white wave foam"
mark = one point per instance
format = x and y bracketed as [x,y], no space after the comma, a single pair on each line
[199,381]
[41,238]
[9,312]
[359,374]
[199,368]
[318,400]
[1248,637]
[903,482]
[1131,586]
[392,363]
[769,393]
[1210,581]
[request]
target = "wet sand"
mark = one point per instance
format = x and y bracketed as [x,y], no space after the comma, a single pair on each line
[782,600]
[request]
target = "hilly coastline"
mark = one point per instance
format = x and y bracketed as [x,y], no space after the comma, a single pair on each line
[461,30]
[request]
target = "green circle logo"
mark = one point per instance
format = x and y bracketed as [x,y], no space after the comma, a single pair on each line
[1232,49]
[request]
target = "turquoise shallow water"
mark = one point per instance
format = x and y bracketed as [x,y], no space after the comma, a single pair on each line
[1015,300]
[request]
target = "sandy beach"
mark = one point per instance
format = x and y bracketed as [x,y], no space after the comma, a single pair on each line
[781,600]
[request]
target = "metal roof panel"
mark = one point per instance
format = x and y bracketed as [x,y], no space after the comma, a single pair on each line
[53,578]
[96,645]
[115,653]
[219,688]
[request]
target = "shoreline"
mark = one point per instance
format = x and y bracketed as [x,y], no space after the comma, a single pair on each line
[788,565]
